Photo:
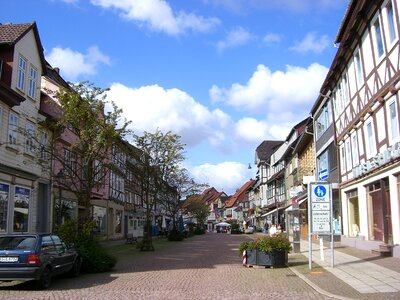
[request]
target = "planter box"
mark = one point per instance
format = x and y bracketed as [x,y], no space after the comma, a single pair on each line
[251,257]
[271,259]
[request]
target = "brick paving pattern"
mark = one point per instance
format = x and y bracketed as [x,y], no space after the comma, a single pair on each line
[202,267]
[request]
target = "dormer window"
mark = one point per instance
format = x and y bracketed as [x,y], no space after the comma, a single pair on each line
[21,73]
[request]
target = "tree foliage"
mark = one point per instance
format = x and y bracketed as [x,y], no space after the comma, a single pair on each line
[161,155]
[83,137]
[200,211]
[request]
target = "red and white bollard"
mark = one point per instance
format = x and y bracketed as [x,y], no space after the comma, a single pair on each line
[244,258]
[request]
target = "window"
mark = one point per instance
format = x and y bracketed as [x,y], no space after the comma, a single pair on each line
[32,82]
[21,73]
[322,161]
[117,186]
[70,162]
[342,159]
[393,122]
[358,67]
[390,20]
[97,168]
[371,147]
[378,37]
[30,137]
[324,120]
[354,149]
[44,142]
[21,209]
[12,129]
[349,163]
[4,196]
[345,90]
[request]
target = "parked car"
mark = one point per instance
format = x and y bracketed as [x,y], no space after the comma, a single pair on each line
[38,257]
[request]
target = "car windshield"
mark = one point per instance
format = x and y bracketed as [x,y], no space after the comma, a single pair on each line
[17,242]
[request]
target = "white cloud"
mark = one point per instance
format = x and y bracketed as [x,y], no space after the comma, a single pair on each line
[251,130]
[312,43]
[272,39]
[226,176]
[282,95]
[237,37]
[152,107]
[159,16]
[73,64]
[243,6]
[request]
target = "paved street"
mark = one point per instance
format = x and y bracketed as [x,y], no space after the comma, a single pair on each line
[202,267]
[208,267]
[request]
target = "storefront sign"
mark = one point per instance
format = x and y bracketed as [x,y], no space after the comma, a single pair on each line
[378,160]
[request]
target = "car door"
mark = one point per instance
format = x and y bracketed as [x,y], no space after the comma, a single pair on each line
[50,254]
[65,257]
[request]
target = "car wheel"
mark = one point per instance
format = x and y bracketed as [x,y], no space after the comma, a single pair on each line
[45,279]
[76,267]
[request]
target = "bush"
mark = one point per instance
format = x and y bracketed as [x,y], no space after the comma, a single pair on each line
[199,230]
[273,243]
[94,258]
[235,228]
[175,235]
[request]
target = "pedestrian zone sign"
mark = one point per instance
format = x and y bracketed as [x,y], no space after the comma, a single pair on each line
[320,195]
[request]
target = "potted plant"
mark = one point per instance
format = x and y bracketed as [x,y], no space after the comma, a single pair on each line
[269,250]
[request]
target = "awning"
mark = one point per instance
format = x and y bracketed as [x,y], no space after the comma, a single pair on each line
[268,213]
[290,207]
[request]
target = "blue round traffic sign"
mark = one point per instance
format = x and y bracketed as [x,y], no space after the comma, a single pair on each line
[320,191]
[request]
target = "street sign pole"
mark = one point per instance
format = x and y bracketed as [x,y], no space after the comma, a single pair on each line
[320,214]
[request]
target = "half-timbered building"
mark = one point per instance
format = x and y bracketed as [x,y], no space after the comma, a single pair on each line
[362,85]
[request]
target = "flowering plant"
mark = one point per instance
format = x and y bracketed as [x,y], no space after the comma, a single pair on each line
[278,242]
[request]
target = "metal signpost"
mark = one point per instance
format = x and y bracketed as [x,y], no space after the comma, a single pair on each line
[320,214]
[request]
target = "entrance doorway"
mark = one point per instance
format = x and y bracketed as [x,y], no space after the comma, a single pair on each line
[379,213]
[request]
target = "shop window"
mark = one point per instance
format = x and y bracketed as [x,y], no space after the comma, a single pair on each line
[353,213]
[4,196]
[21,209]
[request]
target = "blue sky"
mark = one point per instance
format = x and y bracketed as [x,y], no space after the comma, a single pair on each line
[223,74]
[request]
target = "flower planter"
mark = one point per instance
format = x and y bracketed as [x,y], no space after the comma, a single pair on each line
[268,259]
[275,258]
[251,257]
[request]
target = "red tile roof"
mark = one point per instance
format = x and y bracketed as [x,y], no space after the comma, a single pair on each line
[11,33]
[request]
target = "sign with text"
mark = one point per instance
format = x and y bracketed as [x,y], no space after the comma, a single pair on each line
[320,197]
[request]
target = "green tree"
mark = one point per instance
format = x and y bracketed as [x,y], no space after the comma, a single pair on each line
[84,156]
[160,160]
[199,211]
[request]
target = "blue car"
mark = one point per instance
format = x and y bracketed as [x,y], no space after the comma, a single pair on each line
[38,257]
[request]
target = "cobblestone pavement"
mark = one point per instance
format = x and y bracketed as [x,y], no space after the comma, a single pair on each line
[202,267]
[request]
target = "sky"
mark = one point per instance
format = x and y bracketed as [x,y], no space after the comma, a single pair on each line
[225,75]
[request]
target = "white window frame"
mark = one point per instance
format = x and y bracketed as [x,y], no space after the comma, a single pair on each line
[349,162]
[345,90]
[370,138]
[358,67]
[393,122]
[379,45]
[390,23]
[354,148]
[22,65]
[342,159]
[12,137]
[32,80]
[29,137]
